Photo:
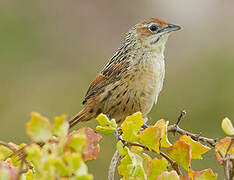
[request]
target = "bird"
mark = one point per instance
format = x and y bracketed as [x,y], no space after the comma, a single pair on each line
[133,78]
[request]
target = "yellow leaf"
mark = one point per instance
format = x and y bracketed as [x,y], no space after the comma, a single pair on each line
[180,151]
[227,127]
[131,127]
[151,137]
[163,125]
[197,148]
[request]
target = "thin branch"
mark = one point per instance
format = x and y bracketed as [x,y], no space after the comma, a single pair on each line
[182,114]
[196,137]
[173,163]
[113,164]
[9,146]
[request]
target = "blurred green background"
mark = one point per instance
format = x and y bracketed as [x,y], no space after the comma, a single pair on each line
[51,50]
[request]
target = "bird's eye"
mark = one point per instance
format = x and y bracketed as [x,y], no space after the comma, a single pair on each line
[153,27]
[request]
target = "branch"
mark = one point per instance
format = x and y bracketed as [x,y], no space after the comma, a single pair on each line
[112,167]
[173,163]
[196,137]
[9,146]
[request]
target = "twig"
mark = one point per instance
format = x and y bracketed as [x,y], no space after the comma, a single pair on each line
[182,114]
[173,163]
[228,173]
[196,137]
[112,167]
[9,146]
[21,170]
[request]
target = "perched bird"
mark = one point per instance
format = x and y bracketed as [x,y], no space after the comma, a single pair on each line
[133,78]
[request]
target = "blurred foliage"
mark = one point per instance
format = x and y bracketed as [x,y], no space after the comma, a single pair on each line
[55,154]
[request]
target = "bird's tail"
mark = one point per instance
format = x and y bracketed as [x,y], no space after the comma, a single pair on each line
[81,116]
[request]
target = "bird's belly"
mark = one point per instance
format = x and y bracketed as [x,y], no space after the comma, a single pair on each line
[134,92]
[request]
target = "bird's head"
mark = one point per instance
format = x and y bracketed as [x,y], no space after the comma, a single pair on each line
[153,33]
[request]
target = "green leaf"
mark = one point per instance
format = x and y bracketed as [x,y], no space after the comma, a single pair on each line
[83,177]
[73,161]
[151,137]
[34,154]
[169,176]
[131,126]
[60,126]
[76,141]
[197,148]
[4,152]
[131,166]
[227,127]
[121,149]
[157,166]
[39,128]
[106,126]
[180,151]
[60,168]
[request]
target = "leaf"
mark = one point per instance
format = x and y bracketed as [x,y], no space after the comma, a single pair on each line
[60,126]
[7,171]
[106,126]
[83,177]
[72,160]
[92,148]
[157,166]
[151,137]
[4,152]
[163,125]
[121,149]
[38,128]
[222,147]
[76,141]
[206,174]
[180,151]
[131,166]
[227,127]
[60,168]
[85,141]
[197,148]
[169,176]
[131,126]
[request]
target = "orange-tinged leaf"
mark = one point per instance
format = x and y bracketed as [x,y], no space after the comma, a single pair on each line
[163,125]
[157,167]
[92,148]
[197,148]
[180,151]
[85,141]
[169,176]
[151,137]
[206,174]
[222,147]
[131,127]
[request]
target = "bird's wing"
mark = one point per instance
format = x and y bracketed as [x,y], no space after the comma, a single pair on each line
[111,73]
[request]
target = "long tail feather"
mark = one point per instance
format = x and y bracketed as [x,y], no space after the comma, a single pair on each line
[81,116]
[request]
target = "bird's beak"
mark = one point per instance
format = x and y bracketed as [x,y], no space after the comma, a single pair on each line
[170,28]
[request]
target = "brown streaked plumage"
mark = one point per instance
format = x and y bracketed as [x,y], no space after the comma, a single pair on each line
[132,79]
